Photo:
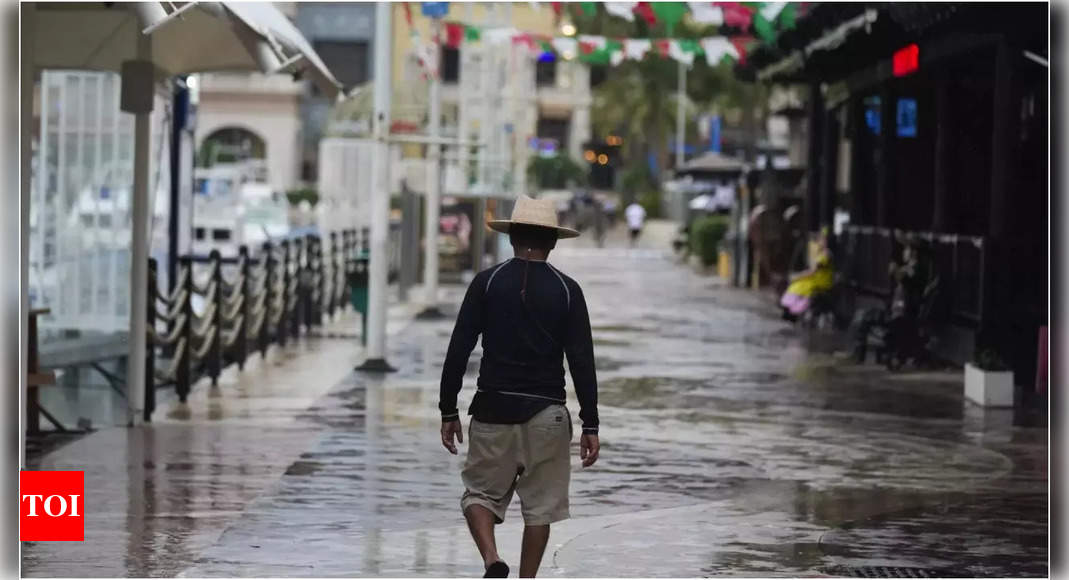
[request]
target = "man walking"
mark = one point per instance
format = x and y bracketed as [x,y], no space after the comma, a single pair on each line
[636,217]
[530,316]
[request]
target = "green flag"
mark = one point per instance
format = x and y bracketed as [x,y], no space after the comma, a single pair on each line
[669,13]
[789,16]
[471,34]
[763,27]
[588,8]
[690,45]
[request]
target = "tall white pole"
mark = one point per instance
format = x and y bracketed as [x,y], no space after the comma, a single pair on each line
[434,184]
[135,374]
[380,196]
[681,114]
[28,21]
[485,97]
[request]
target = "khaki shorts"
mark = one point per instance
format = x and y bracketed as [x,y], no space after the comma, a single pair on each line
[531,459]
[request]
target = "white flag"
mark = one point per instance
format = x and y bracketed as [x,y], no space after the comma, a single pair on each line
[624,10]
[676,52]
[636,48]
[566,47]
[716,47]
[616,57]
[706,13]
[499,35]
[772,9]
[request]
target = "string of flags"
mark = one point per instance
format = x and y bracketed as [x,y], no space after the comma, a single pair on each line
[752,22]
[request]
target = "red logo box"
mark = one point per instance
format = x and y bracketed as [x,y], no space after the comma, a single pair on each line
[51,506]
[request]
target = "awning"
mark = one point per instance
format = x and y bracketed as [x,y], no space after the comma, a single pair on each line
[187,37]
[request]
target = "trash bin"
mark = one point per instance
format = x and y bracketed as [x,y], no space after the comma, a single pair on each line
[358,292]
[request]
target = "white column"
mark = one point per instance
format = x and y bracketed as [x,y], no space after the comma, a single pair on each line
[29,12]
[380,195]
[135,374]
[486,100]
[434,183]
[681,113]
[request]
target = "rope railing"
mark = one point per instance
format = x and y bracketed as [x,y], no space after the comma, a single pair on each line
[271,298]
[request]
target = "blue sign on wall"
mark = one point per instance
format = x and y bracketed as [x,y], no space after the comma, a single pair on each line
[906,117]
[434,9]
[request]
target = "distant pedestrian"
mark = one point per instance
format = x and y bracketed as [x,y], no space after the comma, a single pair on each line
[636,218]
[530,316]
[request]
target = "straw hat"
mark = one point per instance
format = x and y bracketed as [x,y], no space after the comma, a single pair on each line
[533,212]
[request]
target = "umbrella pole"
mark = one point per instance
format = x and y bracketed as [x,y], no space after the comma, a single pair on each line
[380,197]
[135,374]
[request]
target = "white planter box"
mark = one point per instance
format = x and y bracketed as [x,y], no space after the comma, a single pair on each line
[988,388]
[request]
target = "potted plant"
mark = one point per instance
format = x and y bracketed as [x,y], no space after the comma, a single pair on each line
[989,380]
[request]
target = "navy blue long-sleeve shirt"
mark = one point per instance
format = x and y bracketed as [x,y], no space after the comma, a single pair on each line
[525,339]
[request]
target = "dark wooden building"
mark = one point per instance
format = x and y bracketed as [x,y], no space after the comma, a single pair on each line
[930,120]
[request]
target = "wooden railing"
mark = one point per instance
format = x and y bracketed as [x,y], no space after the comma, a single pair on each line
[269,298]
[960,261]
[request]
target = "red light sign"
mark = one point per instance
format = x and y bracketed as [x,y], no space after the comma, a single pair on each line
[906,60]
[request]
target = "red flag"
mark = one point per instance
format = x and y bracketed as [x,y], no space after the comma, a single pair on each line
[454,34]
[408,15]
[662,47]
[644,10]
[740,43]
[558,8]
[736,14]
[524,39]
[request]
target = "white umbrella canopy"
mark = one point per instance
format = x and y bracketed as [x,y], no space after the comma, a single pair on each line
[185,37]
[176,38]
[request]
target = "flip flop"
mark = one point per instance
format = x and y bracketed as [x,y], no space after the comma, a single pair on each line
[498,569]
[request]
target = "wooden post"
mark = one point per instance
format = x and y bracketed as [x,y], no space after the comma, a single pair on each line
[215,353]
[270,272]
[828,166]
[811,207]
[284,316]
[241,343]
[150,350]
[183,368]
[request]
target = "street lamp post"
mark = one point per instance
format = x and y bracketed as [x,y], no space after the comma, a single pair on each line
[380,198]
[434,185]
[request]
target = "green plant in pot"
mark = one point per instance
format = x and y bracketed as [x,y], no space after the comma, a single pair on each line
[705,237]
[988,359]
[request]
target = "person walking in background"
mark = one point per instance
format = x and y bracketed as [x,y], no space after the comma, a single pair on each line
[530,316]
[636,218]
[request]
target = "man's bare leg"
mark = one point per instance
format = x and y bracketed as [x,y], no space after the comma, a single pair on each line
[535,539]
[481,525]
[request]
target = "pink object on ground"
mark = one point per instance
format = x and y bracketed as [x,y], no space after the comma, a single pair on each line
[794,303]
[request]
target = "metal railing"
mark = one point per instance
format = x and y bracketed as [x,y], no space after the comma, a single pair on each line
[264,299]
[960,261]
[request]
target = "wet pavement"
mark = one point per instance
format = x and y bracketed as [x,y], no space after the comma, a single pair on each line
[731,447]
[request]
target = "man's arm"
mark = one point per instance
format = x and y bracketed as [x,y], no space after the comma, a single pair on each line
[465,334]
[579,347]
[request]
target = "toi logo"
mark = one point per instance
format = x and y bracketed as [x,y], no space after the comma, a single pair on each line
[51,506]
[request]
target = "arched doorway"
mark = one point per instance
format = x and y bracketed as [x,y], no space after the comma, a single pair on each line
[231,145]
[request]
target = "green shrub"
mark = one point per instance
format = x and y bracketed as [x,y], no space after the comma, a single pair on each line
[651,202]
[705,236]
[296,196]
[555,172]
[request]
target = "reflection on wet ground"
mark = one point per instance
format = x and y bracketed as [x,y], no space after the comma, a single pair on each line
[727,444]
